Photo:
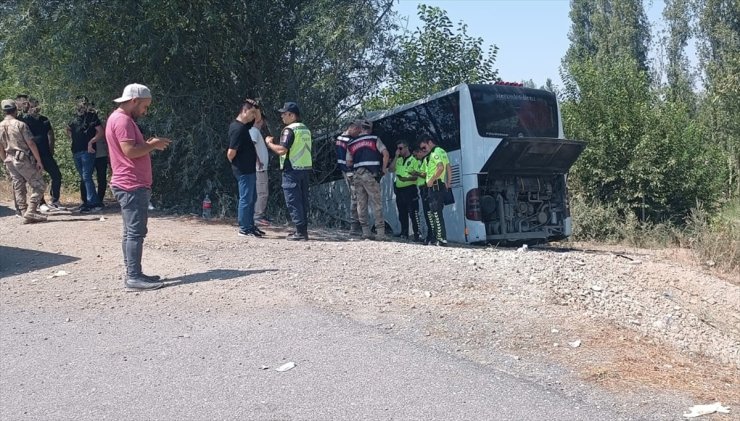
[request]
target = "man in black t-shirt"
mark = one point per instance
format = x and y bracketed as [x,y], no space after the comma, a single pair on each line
[243,157]
[84,130]
[43,136]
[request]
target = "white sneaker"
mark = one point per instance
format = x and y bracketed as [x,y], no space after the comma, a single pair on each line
[44,208]
[56,206]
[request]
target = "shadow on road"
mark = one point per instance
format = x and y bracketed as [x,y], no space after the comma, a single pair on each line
[6,211]
[14,260]
[214,275]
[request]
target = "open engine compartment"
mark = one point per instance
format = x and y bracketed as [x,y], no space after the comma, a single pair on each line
[524,207]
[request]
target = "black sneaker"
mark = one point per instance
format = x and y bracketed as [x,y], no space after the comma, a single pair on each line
[258,231]
[251,234]
[297,237]
[142,284]
[85,209]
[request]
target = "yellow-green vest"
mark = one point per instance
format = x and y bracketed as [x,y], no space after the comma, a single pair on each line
[436,156]
[299,153]
[404,167]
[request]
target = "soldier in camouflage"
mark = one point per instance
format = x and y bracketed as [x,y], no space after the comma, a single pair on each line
[21,157]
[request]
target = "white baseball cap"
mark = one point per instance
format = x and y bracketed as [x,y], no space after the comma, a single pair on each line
[132,91]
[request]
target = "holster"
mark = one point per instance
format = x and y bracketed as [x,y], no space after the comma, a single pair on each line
[21,156]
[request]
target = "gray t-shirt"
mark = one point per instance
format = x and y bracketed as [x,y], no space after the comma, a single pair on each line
[259,144]
[101,148]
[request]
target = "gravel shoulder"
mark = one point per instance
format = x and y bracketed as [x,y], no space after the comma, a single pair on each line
[646,333]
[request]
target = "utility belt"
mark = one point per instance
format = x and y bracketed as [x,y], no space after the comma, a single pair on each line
[438,186]
[377,175]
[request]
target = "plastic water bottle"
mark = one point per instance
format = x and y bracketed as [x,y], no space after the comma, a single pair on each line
[206,208]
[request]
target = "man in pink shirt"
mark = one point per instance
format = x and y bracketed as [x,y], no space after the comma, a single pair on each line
[131,182]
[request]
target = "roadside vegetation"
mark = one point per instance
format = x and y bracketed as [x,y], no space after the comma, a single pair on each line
[662,166]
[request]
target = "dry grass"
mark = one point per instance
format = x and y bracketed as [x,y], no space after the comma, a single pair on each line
[619,360]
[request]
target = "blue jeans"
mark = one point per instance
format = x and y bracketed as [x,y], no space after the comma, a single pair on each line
[247,197]
[295,189]
[135,215]
[85,163]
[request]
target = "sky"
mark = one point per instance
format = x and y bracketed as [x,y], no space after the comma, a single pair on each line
[532,35]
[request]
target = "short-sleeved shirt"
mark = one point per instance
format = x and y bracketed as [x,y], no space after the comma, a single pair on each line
[436,156]
[129,174]
[259,145]
[245,161]
[83,129]
[286,140]
[40,128]
[14,135]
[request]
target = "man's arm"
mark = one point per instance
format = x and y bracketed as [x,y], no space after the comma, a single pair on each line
[285,142]
[131,150]
[278,149]
[437,174]
[230,154]
[99,133]
[52,140]
[386,158]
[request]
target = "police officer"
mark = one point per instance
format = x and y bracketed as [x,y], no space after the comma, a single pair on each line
[437,181]
[407,194]
[21,157]
[369,157]
[295,161]
[340,146]
[420,172]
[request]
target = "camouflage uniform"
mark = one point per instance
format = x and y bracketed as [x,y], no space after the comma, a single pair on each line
[19,160]
[367,189]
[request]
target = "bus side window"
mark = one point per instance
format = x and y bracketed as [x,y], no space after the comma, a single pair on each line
[444,120]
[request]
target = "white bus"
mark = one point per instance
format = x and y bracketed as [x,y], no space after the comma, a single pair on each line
[508,157]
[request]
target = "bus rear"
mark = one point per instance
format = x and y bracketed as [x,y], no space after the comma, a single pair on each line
[514,161]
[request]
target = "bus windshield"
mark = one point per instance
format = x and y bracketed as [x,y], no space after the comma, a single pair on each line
[510,111]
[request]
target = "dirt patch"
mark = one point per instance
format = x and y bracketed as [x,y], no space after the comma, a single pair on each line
[648,321]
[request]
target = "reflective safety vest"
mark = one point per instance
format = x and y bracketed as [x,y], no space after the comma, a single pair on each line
[421,167]
[340,145]
[365,154]
[299,154]
[404,167]
[436,156]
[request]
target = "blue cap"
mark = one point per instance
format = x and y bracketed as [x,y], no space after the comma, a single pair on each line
[290,107]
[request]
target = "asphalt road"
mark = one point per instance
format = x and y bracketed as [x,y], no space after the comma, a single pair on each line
[139,365]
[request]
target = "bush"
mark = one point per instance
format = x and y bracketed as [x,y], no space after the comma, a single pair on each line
[716,241]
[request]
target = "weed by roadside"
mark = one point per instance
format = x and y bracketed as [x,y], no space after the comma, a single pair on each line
[714,241]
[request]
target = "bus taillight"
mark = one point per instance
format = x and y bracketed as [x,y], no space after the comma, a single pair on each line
[472,205]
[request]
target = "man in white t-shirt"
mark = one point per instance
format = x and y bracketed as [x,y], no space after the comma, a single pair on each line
[262,190]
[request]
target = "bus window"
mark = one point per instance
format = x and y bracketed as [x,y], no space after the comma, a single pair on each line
[506,111]
[444,121]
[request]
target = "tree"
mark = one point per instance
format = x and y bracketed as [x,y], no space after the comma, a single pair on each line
[434,58]
[680,83]
[719,35]
[645,155]
[200,58]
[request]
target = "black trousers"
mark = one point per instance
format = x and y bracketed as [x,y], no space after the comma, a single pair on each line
[101,173]
[436,202]
[424,195]
[407,202]
[51,168]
